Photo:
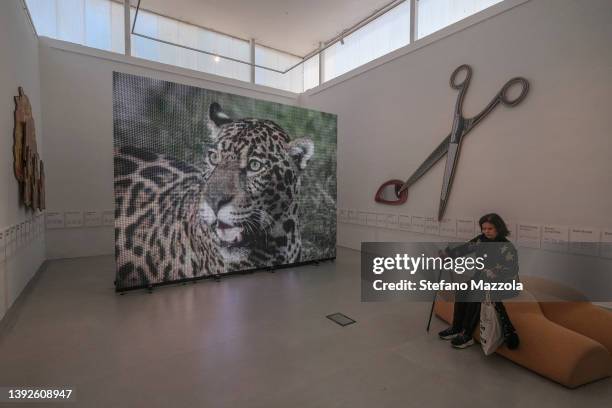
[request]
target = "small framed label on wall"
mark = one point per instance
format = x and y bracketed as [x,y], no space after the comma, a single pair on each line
[54,219]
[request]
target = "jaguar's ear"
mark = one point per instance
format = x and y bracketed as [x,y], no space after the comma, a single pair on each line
[301,150]
[216,118]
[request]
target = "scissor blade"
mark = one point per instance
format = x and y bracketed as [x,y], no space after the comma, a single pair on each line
[432,159]
[449,172]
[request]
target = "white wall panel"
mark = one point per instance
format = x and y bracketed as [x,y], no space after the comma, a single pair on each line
[19,66]
[545,161]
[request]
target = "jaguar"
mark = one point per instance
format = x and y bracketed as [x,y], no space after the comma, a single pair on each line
[251,200]
[239,210]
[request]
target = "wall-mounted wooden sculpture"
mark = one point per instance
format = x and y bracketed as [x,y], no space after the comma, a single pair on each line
[29,170]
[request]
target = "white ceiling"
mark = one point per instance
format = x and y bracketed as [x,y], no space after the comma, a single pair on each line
[295,26]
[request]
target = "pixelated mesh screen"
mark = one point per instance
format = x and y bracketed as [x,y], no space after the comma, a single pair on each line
[176,221]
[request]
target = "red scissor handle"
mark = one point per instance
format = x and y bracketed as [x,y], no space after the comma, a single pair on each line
[401,197]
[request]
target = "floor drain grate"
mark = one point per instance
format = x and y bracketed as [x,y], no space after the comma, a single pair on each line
[341,319]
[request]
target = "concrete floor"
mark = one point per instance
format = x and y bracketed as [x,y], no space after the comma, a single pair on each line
[259,340]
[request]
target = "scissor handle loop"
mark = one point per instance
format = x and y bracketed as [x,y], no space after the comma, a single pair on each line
[466,80]
[504,91]
[400,197]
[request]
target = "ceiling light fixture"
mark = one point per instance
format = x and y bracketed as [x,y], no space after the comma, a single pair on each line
[217,58]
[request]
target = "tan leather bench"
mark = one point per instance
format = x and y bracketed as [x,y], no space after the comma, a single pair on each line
[569,343]
[582,317]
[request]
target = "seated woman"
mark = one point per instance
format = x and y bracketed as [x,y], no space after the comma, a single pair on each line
[501,266]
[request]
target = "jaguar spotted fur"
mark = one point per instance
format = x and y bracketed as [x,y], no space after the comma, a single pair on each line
[251,197]
[239,211]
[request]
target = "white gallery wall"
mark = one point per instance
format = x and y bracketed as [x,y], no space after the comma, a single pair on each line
[76,85]
[544,162]
[547,161]
[23,253]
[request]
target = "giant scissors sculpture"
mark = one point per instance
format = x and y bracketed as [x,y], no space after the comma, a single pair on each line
[452,143]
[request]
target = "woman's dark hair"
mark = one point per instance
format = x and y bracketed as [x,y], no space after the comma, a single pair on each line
[498,223]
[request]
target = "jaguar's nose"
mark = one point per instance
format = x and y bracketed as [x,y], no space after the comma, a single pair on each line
[217,202]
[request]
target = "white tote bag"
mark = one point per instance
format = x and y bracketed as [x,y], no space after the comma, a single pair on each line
[491,336]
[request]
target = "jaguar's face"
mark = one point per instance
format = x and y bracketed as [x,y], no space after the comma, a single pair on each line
[253,179]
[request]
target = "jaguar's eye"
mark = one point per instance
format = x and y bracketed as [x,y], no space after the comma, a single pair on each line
[213,157]
[254,165]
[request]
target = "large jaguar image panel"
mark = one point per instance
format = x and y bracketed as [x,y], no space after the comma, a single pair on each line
[208,183]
